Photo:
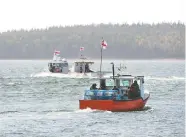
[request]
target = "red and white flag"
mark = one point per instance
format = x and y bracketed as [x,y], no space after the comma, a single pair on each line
[56,52]
[81,48]
[104,44]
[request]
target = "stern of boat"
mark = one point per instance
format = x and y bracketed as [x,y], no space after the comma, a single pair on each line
[146,97]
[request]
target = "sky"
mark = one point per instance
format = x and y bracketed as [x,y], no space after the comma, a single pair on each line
[28,14]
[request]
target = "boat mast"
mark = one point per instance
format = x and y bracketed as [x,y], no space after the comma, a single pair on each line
[81,52]
[101,58]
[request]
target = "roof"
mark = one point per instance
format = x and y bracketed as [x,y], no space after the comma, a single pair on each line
[123,77]
[89,62]
[127,77]
[57,61]
[84,61]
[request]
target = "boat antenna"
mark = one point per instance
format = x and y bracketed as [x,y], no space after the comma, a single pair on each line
[112,69]
[101,58]
[113,73]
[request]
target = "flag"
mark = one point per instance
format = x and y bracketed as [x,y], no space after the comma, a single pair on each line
[81,48]
[104,44]
[56,52]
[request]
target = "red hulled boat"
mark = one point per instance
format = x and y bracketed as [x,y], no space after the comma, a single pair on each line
[117,93]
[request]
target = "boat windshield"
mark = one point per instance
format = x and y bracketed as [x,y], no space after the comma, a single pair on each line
[125,83]
[109,82]
[64,64]
[61,64]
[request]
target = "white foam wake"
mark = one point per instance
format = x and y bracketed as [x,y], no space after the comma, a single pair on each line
[60,75]
[89,110]
[171,78]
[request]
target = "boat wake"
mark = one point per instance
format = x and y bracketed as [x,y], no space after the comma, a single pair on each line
[69,75]
[72,74]
[171,78]
[89,110]
[58,75]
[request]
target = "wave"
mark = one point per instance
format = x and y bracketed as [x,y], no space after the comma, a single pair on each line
[170,78]
[70,75]
[58,75]
[78,75]
[89,110]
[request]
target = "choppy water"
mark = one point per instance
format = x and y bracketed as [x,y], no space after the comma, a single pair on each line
[34,103]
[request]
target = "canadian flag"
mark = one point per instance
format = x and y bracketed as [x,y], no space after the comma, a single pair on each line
[56,52]
[81,48]
[104,44]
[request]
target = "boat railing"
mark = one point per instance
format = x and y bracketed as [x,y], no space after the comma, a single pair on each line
[99,94]
[103,95]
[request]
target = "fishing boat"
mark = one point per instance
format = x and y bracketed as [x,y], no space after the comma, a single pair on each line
[116,94]
[82,66]
[58,64]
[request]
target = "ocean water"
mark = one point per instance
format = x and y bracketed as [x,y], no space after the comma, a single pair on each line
[36,103]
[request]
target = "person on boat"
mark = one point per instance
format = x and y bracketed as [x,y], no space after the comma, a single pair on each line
[102,85]
[115,88]
[93,87]
[86,67]
[134,90]
[81,69]
[53,68]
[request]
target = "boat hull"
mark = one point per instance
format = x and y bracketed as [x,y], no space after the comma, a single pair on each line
[114,105]
[63,70]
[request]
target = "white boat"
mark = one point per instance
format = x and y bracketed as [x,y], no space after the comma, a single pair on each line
[82,65]
[58,64]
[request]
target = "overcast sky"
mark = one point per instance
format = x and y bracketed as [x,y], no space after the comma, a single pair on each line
[27,14]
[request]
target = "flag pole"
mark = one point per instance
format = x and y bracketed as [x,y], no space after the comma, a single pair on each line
[81,54]
[101,58]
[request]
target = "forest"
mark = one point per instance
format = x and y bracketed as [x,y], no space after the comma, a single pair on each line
[135,41]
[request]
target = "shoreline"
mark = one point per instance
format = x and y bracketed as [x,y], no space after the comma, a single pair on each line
[166,59]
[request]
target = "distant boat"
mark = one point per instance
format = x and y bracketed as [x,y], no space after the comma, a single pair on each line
[58,65]
[116,94]
[82,65]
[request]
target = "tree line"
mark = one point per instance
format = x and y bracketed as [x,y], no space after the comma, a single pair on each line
[135,41]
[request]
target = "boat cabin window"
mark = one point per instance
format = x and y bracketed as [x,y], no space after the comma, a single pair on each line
[143,80]
[110,82]
[50,64]
[64,64]
[58,65]
[125,83]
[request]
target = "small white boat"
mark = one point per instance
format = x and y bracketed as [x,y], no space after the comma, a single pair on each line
[58,65]
[82,65]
